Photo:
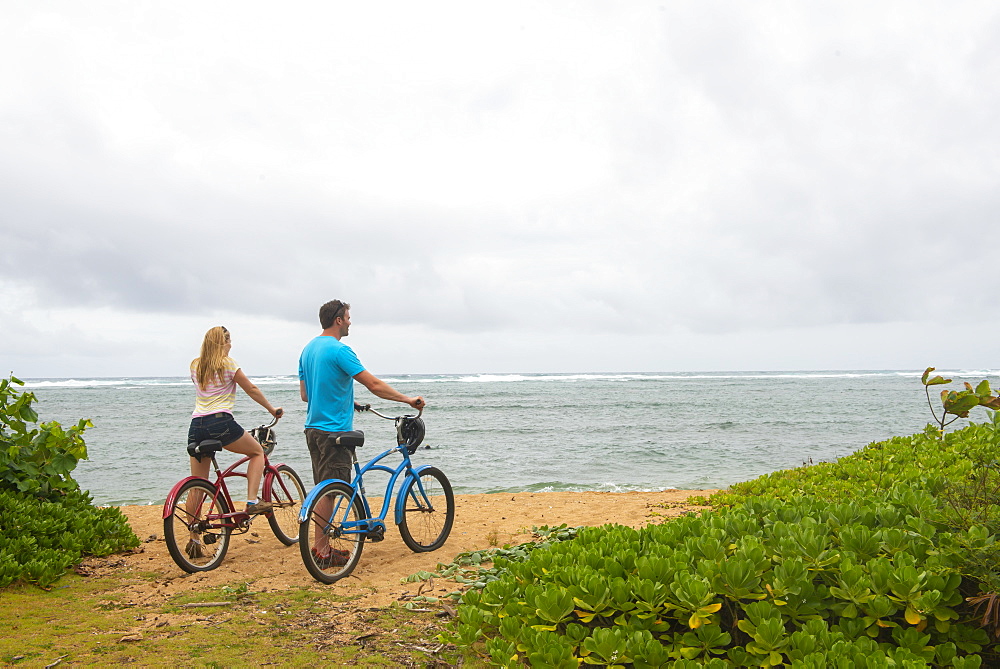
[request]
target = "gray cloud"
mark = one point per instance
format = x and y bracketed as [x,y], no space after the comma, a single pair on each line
[630,172]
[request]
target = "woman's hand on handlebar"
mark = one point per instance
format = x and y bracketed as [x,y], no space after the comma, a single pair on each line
[278,413]
[417,402]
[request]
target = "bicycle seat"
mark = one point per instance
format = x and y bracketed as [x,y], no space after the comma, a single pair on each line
[196,449]
[353,438]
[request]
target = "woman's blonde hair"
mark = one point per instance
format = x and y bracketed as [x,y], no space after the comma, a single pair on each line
[211,363]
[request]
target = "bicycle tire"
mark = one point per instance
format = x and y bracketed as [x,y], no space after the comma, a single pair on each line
[284,520]
[345,548]
[424,528]
[195,501]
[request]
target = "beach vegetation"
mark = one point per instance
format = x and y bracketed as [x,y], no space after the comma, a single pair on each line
[476,568]
[36,459]
[957,403]
[879,559]
[47,524]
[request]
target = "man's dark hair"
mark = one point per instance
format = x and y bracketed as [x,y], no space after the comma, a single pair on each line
[328,312]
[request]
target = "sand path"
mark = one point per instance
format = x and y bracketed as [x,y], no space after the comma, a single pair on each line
[260,560]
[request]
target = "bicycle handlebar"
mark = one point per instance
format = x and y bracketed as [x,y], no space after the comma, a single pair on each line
[368,407]
[274,421]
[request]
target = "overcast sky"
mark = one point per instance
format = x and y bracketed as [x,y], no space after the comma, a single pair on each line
[500,187]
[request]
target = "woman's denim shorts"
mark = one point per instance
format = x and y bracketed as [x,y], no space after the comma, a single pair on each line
[221,426]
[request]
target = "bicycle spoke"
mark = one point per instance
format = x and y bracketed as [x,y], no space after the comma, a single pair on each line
[286,493]
[193,548]
[429,511]
[330,542]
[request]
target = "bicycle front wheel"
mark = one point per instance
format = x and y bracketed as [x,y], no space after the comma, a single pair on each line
[196,534]
[287,493]
[331,539]
[428,516]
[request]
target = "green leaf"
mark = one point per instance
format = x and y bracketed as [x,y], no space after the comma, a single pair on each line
[554,605]
[959,403]
[937,380]
[28,414]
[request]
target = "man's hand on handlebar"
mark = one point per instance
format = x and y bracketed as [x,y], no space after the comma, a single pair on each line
[278,413]
[415,402]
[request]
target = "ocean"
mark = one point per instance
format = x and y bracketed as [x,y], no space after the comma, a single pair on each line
[525,432]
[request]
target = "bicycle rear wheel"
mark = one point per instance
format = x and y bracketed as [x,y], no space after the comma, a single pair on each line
[330,550]
[194,531]
[427,518]
[284,520]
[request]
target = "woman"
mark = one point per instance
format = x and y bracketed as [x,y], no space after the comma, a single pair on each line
[215,377]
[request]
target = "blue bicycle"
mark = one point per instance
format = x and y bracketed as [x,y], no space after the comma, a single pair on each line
[336,519]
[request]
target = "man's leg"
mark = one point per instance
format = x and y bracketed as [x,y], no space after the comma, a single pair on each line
[329,461]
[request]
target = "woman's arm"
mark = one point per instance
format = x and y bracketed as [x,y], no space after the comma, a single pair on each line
[255,394]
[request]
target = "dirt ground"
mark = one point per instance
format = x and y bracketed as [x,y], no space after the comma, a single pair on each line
[260,560]
[257,559]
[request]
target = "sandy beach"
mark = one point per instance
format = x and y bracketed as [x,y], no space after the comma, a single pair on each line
[260,560]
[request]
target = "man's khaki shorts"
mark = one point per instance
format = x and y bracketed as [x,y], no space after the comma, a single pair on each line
[329,460]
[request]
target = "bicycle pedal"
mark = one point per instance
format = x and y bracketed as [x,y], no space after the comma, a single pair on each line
[376,535]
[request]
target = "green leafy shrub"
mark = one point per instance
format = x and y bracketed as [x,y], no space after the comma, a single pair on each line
[40,539]
[770,583]
[959,469]
[36,460]
[47,523]
[467,568]
[929,460]
[958,403]
[869,561]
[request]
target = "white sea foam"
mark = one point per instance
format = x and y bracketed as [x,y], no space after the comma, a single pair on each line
[275,380]
[647,376]
[485,378]
[104,382]
[979,373]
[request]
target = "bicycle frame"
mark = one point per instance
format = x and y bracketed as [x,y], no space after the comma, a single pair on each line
[235,520]
[372,523]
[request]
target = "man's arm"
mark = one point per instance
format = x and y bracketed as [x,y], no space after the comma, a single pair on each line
[302,391]
[380,388]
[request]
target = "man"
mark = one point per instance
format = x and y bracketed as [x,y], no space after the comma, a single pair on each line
[328,369]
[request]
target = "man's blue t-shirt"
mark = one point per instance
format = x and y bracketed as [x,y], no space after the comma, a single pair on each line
[328,367]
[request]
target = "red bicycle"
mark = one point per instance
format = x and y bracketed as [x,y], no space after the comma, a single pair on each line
[199,516]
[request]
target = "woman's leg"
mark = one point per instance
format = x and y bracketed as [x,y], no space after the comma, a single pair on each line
[194,500]
[247,445]
[200,468]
